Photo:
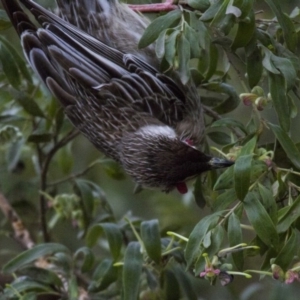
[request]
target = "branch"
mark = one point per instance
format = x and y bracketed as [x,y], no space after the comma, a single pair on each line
[21,234]
[43,185]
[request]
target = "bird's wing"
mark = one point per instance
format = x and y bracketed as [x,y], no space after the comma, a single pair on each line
[90,78]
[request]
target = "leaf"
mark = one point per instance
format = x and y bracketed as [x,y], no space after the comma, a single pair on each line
[196,238]
[157,26]
[244,33]
[286,24]
[287,253]
[260,220]
[220,138]
[151,238]
[242,175]
[9,66]
[201,5]
[85,192]
[132,270]
[288,215]
[26,285]
[88,258]
[33,254]
[268,202]
[235,237]
[42,275]
[104,275]
[253,63]
[228,122]
[4,20]
[65,159]
[113,235]
[29,105]
[18,59]
[198,193]
[185,283]
[170,47]
[228,104]
[224,200]
[39,138]
[216,236]
[14,152]
[287,144]
[184,52]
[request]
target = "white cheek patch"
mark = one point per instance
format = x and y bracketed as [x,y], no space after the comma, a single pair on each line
[158,130]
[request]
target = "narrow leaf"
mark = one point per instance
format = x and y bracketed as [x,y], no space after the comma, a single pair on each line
[132,271]
[157,26]
[260,220]
[151,239]
[287,144]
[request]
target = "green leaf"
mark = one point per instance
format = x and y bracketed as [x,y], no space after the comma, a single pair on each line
[170,284]
[31,255]
[286,24]
[9,66]
[185,283]
[220,138]
[132,270]
[151,238]
[29,105]
[198,193]
[18,59]
[170,47]
[85,192]
[193,248]
[280,101]
[157,26]
[287,253]
[216,236]
[26,285]
[232,100]
[88,258]
[201,5]
[224,200]
[287,144]
[235,237]
[288,215]
[39,137]
[113,235]
[260,220]
[245,32]
[253,63]
[225,180]
[42,275]
[104,275]
[212,11]
[14,152]
[184,54]
[242,175]
[65,158]
[4,20]
[268,202]
[210,62]
[228,122]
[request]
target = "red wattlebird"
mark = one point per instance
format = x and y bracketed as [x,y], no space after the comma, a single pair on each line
[112,92]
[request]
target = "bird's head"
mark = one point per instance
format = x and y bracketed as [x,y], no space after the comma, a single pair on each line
[157,158]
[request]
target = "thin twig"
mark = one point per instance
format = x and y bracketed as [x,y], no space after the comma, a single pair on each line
[43,185]
[210,112]
[21,234]
[78,174]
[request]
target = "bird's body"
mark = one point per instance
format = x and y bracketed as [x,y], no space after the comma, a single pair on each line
[112,92]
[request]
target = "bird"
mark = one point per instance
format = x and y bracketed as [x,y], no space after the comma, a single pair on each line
[87,55]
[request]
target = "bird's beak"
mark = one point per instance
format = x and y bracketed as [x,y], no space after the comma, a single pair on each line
[217,163]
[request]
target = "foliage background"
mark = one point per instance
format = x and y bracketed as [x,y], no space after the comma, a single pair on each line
[20,179]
